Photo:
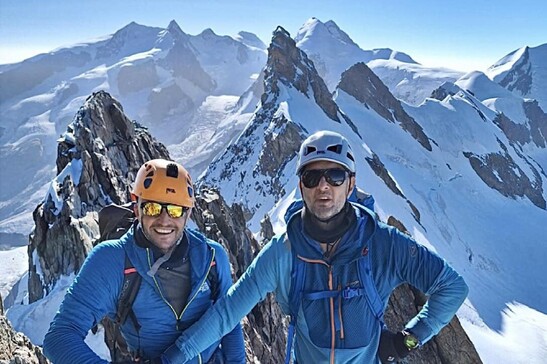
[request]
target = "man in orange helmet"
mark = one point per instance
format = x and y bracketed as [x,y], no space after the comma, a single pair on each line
[175,264]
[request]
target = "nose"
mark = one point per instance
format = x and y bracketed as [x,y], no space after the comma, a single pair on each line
[323,184]
[164,216]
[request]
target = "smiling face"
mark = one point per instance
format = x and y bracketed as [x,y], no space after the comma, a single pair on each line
[324,201]
[163,231]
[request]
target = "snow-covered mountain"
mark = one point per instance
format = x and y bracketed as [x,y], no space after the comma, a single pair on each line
[448,169]
[464,170]
[524,72]
[333,51]
[176,84]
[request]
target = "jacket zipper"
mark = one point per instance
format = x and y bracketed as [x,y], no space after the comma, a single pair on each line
[193,297]
[332,325]
[200,360]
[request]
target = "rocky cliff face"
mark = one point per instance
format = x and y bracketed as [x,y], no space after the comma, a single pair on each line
[16,348]
[361,83]
[98,158]
[289,65]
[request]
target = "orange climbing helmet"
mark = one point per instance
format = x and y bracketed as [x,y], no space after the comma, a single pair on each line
[164,181]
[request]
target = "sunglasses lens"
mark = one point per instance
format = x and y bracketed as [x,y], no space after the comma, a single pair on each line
[311,178]
[151,209]
[334,177]
[175,211]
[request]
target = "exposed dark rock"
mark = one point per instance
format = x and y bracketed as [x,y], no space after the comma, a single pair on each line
[519,78]
[451,345]
[538,122]
[381,171]
[360,82]
[515,132]
[291,66]
[534,130]
[500,172]
[105,149]
[266,228]
[16,348]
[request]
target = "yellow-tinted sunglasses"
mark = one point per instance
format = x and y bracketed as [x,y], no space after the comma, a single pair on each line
[153,209]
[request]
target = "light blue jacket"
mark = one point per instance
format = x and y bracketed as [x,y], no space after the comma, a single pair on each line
[395,259]
[95,291]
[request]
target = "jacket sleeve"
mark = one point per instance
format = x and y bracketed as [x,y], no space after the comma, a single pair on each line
[261,277]
[233,345]
[413,263]
[90,297]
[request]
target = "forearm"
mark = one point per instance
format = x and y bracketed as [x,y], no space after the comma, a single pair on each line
[446,296]
[58,351]
[260,278]
[216,322]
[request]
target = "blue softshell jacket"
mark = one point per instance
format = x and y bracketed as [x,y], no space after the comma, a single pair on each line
[395,258]
[94,294]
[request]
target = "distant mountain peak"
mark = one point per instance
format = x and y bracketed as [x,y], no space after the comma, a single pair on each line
[291,66]
[523,72]
[175,29]
[250,39]
[314,27]
[335,30]
[207,33]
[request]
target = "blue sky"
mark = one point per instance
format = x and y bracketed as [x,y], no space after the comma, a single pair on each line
[464,35]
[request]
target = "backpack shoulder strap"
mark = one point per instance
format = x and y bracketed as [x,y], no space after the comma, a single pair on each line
[213,281]
[372,295]
[298,276]
[130,288]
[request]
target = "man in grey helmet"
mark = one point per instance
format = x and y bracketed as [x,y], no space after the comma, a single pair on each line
[332,271]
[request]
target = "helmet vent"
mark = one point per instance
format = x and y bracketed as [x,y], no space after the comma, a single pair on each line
[350,156]
[335,148]
[172,170]
[310,149]
[147,182]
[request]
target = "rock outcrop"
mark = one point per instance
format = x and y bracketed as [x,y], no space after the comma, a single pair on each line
[98,157]
[16,348]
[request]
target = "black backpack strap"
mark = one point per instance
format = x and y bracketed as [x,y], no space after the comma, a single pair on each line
[130,288]
[212,280]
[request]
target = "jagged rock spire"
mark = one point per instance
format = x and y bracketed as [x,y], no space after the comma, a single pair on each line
[98,157]
[291,66]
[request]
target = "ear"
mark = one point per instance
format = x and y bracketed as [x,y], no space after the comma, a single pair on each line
[136,209]
[351,186]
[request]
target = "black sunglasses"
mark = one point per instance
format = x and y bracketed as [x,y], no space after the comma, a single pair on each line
[334,176]
[153,209]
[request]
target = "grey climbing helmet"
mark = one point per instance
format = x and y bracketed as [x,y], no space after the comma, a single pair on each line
[326,145]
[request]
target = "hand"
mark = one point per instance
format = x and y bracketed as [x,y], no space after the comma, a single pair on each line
[392,348]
